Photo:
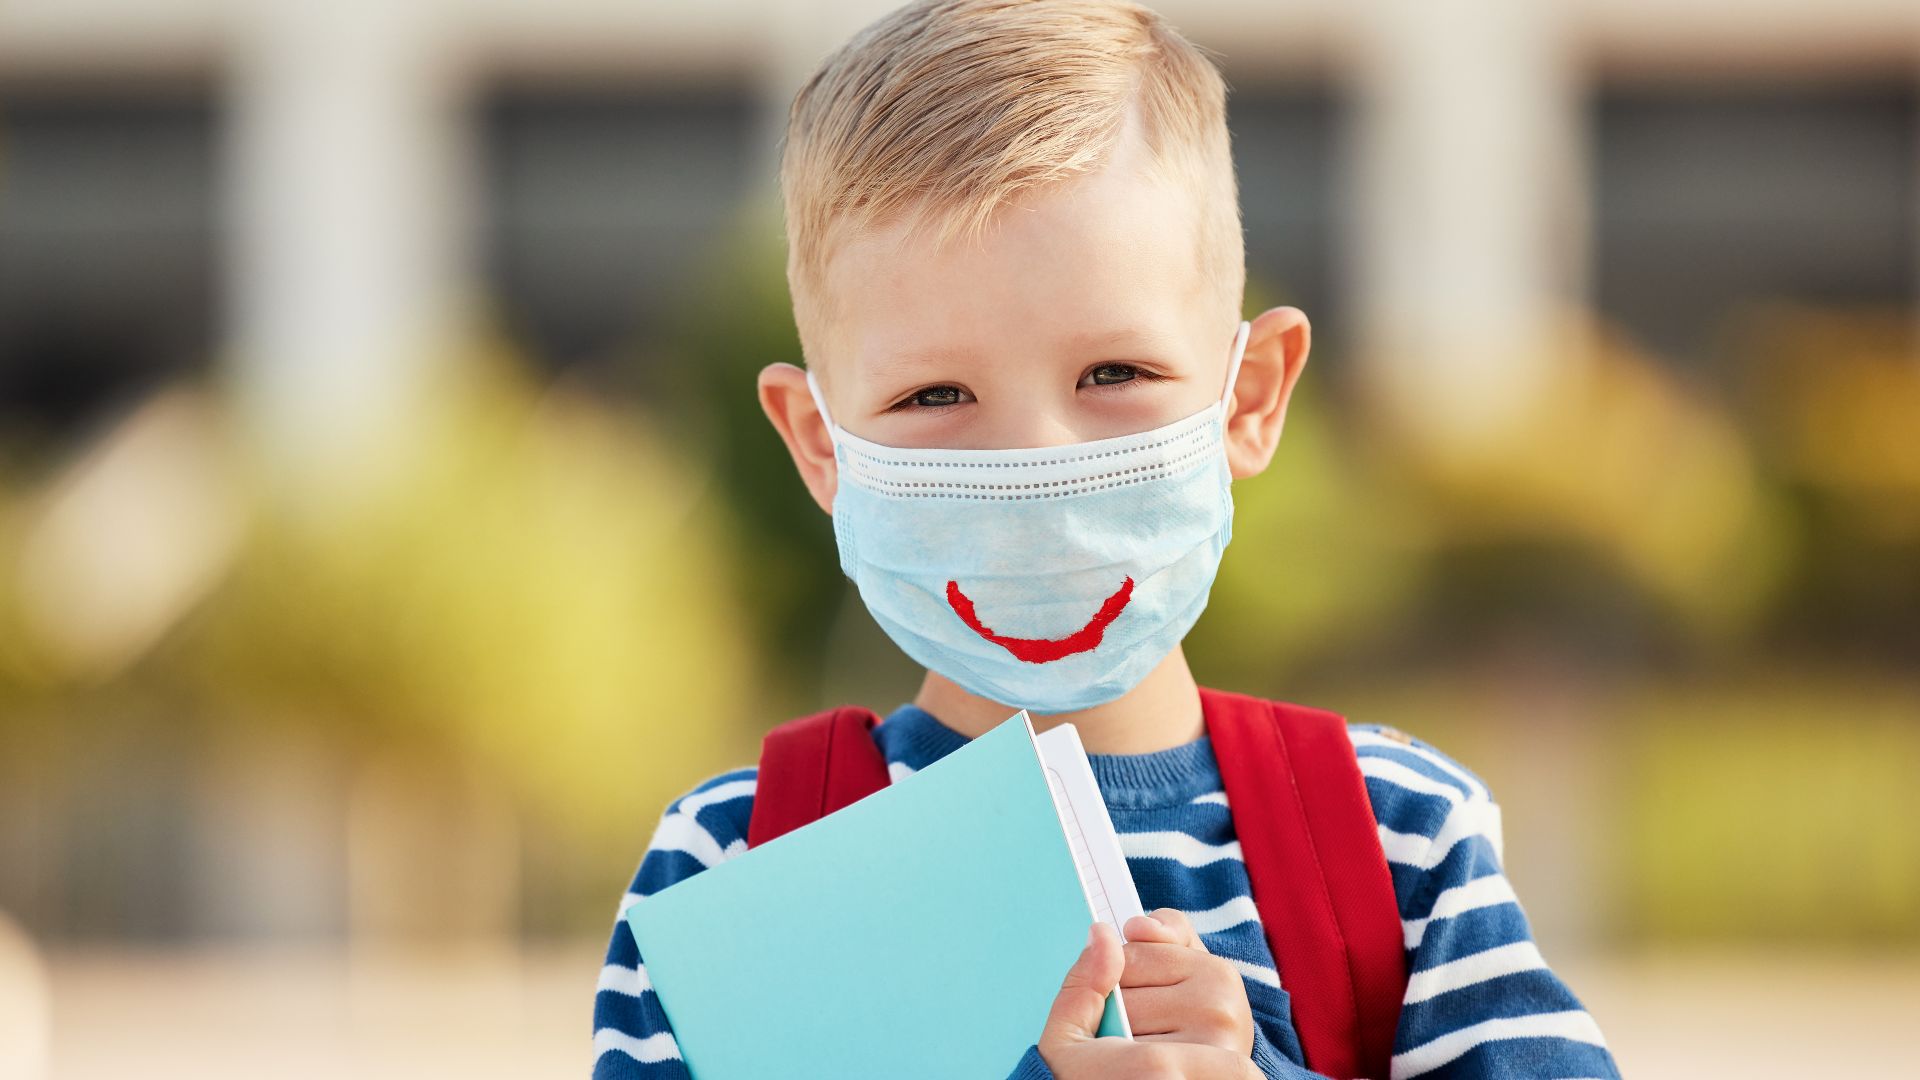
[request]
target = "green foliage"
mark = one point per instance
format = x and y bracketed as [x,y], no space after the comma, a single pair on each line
[737,320]
[537,589]
[1322,556]
[1774,810]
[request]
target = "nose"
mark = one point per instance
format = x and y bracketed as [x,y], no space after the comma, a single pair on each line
[1026,421]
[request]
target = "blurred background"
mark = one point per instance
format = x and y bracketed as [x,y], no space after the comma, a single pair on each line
[388,529]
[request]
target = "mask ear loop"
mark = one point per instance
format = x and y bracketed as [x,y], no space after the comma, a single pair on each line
[820,402]
[1233,365]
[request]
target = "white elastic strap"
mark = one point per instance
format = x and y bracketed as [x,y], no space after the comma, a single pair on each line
[1233,365]
[819,401]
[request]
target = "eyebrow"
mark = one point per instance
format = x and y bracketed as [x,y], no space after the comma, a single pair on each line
[1130,339]
[1093,339]
[901,364]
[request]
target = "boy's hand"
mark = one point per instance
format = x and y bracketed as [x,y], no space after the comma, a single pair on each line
[1071,1050]
[1177,991]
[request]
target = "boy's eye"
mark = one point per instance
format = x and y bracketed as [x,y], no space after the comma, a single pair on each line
[933,397]
[1109,374]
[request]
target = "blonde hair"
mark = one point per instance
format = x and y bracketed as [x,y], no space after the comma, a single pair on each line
[944,110]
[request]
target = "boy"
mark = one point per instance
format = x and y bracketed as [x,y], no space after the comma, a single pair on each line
[1017,270]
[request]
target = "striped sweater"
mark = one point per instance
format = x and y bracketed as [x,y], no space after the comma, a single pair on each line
[1480,1001]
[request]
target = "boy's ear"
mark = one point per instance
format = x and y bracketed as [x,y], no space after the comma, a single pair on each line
[1276,353]
[784,397]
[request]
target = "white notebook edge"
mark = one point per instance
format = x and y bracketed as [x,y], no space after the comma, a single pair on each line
[1088,828]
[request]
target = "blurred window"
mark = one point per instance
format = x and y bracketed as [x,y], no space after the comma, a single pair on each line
[600,203]
[107,249]
[1708,198]
[1287,153]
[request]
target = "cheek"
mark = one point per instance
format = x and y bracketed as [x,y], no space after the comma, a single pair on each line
[1141,405]
[1145,404]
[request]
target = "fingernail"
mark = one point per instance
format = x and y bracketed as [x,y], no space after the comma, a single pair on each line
[1093,931]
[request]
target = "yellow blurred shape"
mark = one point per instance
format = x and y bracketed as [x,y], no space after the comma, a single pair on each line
[1616,454]
[537,591]
[1778,809]
[128,539]
[1840,396]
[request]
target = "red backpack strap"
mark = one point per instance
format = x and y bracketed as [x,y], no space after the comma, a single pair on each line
[811,767]
[1319,875]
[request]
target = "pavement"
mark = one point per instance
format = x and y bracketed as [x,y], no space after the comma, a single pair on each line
[370,1014]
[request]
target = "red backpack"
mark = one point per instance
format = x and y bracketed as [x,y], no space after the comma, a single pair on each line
[1306,830]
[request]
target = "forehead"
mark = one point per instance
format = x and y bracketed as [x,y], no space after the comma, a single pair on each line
[1111,252]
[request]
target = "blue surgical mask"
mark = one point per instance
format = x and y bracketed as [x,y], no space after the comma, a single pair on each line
[1049,579]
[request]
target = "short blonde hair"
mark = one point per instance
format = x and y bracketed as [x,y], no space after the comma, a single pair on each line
[944,110]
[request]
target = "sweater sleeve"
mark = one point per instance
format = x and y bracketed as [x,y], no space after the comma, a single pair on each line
[1481,1001]
[631,1037]
[1031,1066]
[1275,1065]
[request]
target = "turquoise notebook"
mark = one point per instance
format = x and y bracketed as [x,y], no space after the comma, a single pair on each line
[922,931]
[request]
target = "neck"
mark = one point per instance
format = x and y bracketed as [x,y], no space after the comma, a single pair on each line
[1162,712]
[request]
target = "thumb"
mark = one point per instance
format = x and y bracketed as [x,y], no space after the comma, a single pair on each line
[1083,994]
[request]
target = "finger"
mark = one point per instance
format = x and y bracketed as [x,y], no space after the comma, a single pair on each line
[1157,1010]
[1210,1008]
[1177,1014]
[1082,999]
[1158,963]
[1148,928]
[1176,921]
[1196,1062]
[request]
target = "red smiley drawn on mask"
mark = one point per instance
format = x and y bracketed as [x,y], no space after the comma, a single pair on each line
[1043,650]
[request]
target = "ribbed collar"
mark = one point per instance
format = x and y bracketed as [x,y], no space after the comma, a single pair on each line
[915,737]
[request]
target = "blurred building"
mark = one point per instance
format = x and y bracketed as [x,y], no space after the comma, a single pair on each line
[315,188]
[299,198]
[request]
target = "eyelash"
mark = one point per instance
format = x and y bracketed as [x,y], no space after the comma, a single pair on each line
[1140,374]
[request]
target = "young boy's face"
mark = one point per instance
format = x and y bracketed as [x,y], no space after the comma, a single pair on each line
[1082,312]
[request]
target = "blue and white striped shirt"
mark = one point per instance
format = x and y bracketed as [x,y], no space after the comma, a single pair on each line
[1480,1001]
